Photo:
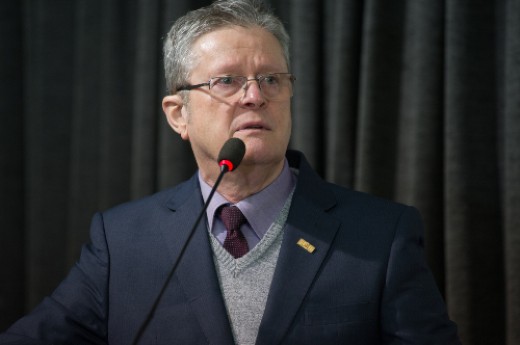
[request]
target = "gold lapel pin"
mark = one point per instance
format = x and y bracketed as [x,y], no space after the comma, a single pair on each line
[306,245]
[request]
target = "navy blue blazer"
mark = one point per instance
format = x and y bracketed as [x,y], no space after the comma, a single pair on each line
[366,282]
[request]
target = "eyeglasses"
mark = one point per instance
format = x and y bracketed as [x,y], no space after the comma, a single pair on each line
[274,86]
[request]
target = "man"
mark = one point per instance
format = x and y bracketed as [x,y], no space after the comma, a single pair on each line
[309,262]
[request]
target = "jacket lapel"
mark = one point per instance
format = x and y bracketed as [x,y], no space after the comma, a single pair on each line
[298,266]
[196,270]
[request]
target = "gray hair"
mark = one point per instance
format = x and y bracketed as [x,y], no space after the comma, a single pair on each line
[178,56]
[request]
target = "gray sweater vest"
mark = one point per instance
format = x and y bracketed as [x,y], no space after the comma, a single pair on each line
[245,282]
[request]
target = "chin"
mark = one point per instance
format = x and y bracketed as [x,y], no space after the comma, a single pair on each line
[255,155]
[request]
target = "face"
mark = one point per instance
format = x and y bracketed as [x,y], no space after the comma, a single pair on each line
[263,125]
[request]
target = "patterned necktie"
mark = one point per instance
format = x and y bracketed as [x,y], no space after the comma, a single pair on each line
[235,242]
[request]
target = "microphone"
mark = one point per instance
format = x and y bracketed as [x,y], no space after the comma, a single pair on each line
[231,154]
[229,159]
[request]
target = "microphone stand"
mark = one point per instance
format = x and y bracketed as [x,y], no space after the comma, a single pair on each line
[224,168]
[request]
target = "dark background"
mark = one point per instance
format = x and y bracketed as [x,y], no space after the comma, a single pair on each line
[414,100]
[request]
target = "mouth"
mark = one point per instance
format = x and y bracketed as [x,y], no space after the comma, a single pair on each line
[251,127]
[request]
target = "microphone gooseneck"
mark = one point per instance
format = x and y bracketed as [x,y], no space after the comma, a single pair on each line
[229,159]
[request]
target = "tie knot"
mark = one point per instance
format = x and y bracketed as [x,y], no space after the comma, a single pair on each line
[232,217]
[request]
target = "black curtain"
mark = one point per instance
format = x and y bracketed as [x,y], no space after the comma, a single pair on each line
[413,100]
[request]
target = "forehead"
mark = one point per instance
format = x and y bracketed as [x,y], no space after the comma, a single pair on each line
[236,50]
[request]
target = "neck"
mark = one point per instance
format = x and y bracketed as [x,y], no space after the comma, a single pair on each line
[245,181]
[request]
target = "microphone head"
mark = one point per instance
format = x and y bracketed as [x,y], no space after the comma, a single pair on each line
[231,154]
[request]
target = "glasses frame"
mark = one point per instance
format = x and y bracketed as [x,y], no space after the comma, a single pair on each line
[258,79]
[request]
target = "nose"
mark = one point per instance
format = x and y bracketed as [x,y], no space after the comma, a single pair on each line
[252,97]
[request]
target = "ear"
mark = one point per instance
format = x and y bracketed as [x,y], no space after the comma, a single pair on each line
[176,114]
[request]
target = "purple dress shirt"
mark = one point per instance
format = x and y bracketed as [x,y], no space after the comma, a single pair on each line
[260,209]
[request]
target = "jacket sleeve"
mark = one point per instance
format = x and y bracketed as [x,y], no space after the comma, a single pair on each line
[412,309]
[76,312]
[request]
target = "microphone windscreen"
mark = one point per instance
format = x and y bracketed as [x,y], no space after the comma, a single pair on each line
[232,152]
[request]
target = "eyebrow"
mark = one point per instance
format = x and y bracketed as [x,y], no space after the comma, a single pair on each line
[237,69]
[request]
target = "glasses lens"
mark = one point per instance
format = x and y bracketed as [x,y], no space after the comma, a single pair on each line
[226,87]
[274,87]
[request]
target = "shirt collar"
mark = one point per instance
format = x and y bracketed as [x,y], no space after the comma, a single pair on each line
[260,209]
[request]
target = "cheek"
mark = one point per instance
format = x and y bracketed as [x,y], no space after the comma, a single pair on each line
[209,124]
[284,118]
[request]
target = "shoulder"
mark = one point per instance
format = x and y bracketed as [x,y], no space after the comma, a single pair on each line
[374,219]
[372,215]
[360,201]
[154,204]
[337,199]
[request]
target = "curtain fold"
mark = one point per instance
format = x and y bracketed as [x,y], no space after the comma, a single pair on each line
[509,143]
[341,78]
[417,101]
[12,148]
[47,85]
[474,243]
[306,64]
[419,156]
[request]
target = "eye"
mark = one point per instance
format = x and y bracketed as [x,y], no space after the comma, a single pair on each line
[271,79]
[225,80]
